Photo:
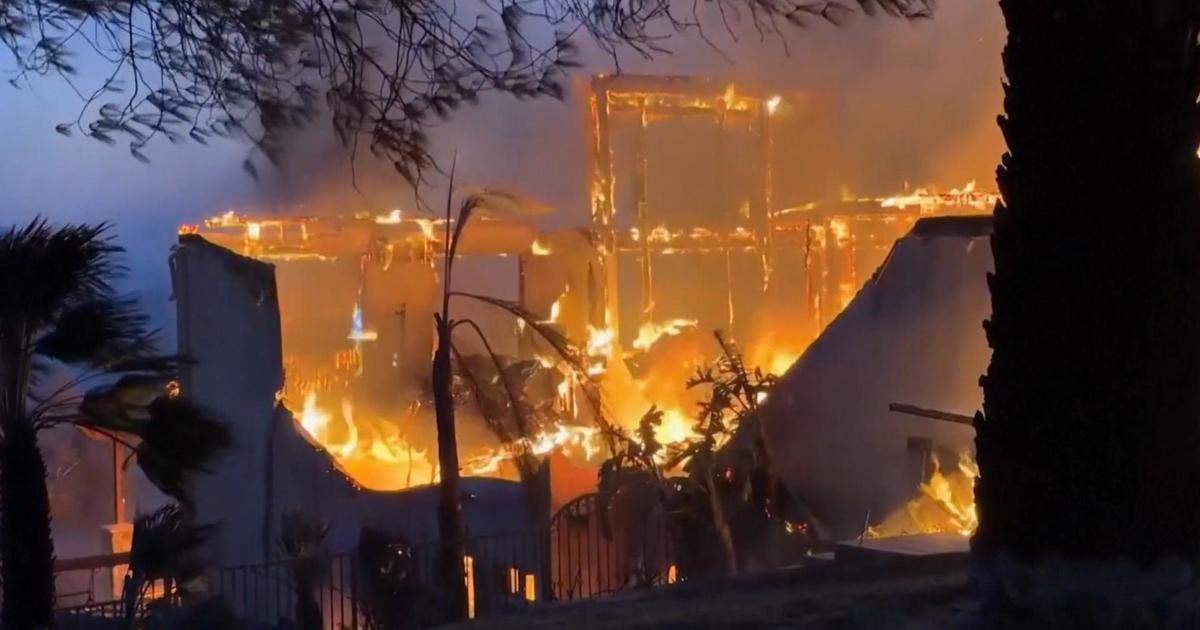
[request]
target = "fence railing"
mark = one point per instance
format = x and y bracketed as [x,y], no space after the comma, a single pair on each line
[576,557]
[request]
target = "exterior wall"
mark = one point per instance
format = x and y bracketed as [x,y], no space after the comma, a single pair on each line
[913,334]
[229,325]
[228,318]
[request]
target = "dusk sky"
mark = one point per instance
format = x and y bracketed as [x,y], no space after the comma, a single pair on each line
[870,66]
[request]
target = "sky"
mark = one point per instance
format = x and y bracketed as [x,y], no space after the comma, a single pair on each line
[906,103]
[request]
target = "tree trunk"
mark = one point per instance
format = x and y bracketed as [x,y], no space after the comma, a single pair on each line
[26,544]
[720,523]
[1089,438]
[451,530]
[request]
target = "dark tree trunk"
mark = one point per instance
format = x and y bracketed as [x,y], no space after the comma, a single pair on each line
[451,530]
[26,545]
[1089,441]
[308,610]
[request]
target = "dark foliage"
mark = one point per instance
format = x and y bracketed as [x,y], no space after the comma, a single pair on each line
[1091,419]
[303,540]
[27,560]
[164,548]
[59,310]
[383,71]
[391,588]
[729,502]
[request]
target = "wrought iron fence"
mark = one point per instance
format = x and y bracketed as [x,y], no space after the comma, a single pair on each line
[580,555]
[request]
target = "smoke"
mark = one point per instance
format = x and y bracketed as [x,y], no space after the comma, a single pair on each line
[869,107]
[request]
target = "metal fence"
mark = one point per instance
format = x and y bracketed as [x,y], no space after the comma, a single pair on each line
[579,555]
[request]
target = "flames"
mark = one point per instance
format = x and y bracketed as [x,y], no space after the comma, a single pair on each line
[675,428]
[930,202]
[392,218]
[599,349]
[651,332]
[944,505]
[374,453]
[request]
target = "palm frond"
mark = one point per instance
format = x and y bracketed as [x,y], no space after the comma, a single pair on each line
[559,342]
[179,440]
[465,211]
[164,547]
[97,332]
[566,351]
[164,542]
[48,270]
[501,376]
[122,406]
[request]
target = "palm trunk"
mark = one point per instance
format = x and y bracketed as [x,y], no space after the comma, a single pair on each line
[721,525]
[1088,443]
[26,545]
[308,610]
[451,530]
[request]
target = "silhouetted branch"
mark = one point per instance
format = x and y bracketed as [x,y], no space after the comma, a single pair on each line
[383,70]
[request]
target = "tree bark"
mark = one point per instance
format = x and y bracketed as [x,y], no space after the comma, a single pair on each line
[1088,440]
[719,522]
[26,542]
[451,529]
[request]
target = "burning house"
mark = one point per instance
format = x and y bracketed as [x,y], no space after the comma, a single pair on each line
[313,335]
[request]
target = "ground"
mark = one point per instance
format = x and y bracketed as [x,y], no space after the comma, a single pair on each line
[921,595]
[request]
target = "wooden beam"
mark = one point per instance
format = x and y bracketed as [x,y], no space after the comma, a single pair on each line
[932,414]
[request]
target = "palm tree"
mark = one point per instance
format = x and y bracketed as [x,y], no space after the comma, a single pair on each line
[163,552]
[1090,427]
[451,527]
[303,540]
[58,308]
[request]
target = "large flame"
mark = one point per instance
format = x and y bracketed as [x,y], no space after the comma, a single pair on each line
[944,505]
[376,455]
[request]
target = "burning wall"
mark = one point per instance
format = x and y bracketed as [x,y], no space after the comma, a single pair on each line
[230,325]
[911,335]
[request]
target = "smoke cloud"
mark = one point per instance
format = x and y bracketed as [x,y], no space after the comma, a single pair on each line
[875,104]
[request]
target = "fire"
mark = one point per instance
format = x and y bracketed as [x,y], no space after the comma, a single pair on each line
[391,218]
[660,234]
[773,104]
[651,332]
[599,348]
[426,226]
[944,505]
[375,454]
[357,331]
[555,310]
[560,437]
[676,427]
[538,249]
[779,361]
[930,202]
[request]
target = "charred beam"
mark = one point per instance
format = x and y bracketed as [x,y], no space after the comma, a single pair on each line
[932,414]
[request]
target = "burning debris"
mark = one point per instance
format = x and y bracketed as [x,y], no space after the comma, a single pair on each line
[944,505]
